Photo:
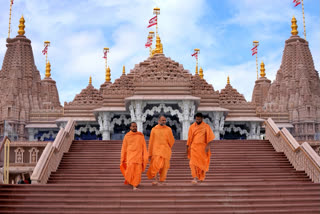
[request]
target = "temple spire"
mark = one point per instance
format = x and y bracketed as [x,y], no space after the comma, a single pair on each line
[262,70]
[90,80]
[294,26]
[21,31]
[48,70]
[228,80]
[123,70]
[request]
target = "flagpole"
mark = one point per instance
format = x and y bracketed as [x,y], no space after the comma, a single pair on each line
[105,51]
[304,22]
[197,51]
[46,44]
[255,44]
[156,11]
[10,19]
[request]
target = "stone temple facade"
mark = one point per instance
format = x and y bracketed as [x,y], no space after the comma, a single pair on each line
[30,107]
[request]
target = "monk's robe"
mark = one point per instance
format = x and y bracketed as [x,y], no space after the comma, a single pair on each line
[198,138]
[134,157]
[160,144]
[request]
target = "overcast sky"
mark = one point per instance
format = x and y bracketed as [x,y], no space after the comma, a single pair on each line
[223,30]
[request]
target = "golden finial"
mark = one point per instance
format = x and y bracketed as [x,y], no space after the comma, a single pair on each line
[262,70]
[48,70]
[201,73]
[108,74]
[159,47]
[21,31]
[294,26]
[90,80]
[123,70]
[228,80]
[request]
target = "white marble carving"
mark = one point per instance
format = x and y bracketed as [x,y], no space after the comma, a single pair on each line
[104,120]
[86,129]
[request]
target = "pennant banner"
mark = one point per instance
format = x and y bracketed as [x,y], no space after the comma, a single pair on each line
[104,54]
[254,50]
[296,2]
[195,54]
[152,21]
[45,50]
[149,43]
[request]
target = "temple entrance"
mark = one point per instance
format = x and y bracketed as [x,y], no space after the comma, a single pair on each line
[233,136]
[87,132]
[235,132]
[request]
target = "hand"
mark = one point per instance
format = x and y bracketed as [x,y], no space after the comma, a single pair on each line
[207,148]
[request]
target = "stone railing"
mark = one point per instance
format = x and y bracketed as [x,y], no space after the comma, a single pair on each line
[52,154]
[302,157]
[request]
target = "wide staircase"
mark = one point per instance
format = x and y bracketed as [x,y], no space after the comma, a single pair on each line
[244,177]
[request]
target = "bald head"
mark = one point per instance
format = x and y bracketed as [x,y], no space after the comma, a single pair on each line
[162,120]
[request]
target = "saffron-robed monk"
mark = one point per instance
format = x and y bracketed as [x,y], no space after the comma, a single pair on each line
[198,147]
[134,156]
[160,144]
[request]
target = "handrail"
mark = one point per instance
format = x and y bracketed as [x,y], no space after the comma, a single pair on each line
[52,154]
[302,157]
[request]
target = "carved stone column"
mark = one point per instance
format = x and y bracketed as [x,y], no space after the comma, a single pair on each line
[32,132]
[136,113]
[254,131]
[218,123]
[188,109]
[104,120]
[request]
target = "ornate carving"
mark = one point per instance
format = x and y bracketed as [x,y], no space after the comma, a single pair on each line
[230,96]
[33,155]
[88,96]
[87,128]
[19,155]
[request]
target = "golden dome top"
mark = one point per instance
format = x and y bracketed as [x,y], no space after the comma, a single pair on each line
[48,70]
[262,70]
[21,31]
[108,74]
[294,26]
[201,73]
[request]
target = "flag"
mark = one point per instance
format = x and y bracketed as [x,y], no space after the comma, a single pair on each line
[297,2]
[11,1]
[45,50]
[254,50]
[149,42]
[152,21]
[104,54]
[195,54]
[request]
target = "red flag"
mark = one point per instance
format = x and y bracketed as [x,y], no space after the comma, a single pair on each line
[195,54]
[149,43]
[45,50]
[297,2]
[152,21]
[104,54]
[254,50]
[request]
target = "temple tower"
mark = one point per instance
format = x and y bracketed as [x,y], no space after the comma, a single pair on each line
[297,88]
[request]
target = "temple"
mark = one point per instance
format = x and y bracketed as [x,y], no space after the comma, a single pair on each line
[265,154]
[30,106]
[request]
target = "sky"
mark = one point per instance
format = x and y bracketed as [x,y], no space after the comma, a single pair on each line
[223,31]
